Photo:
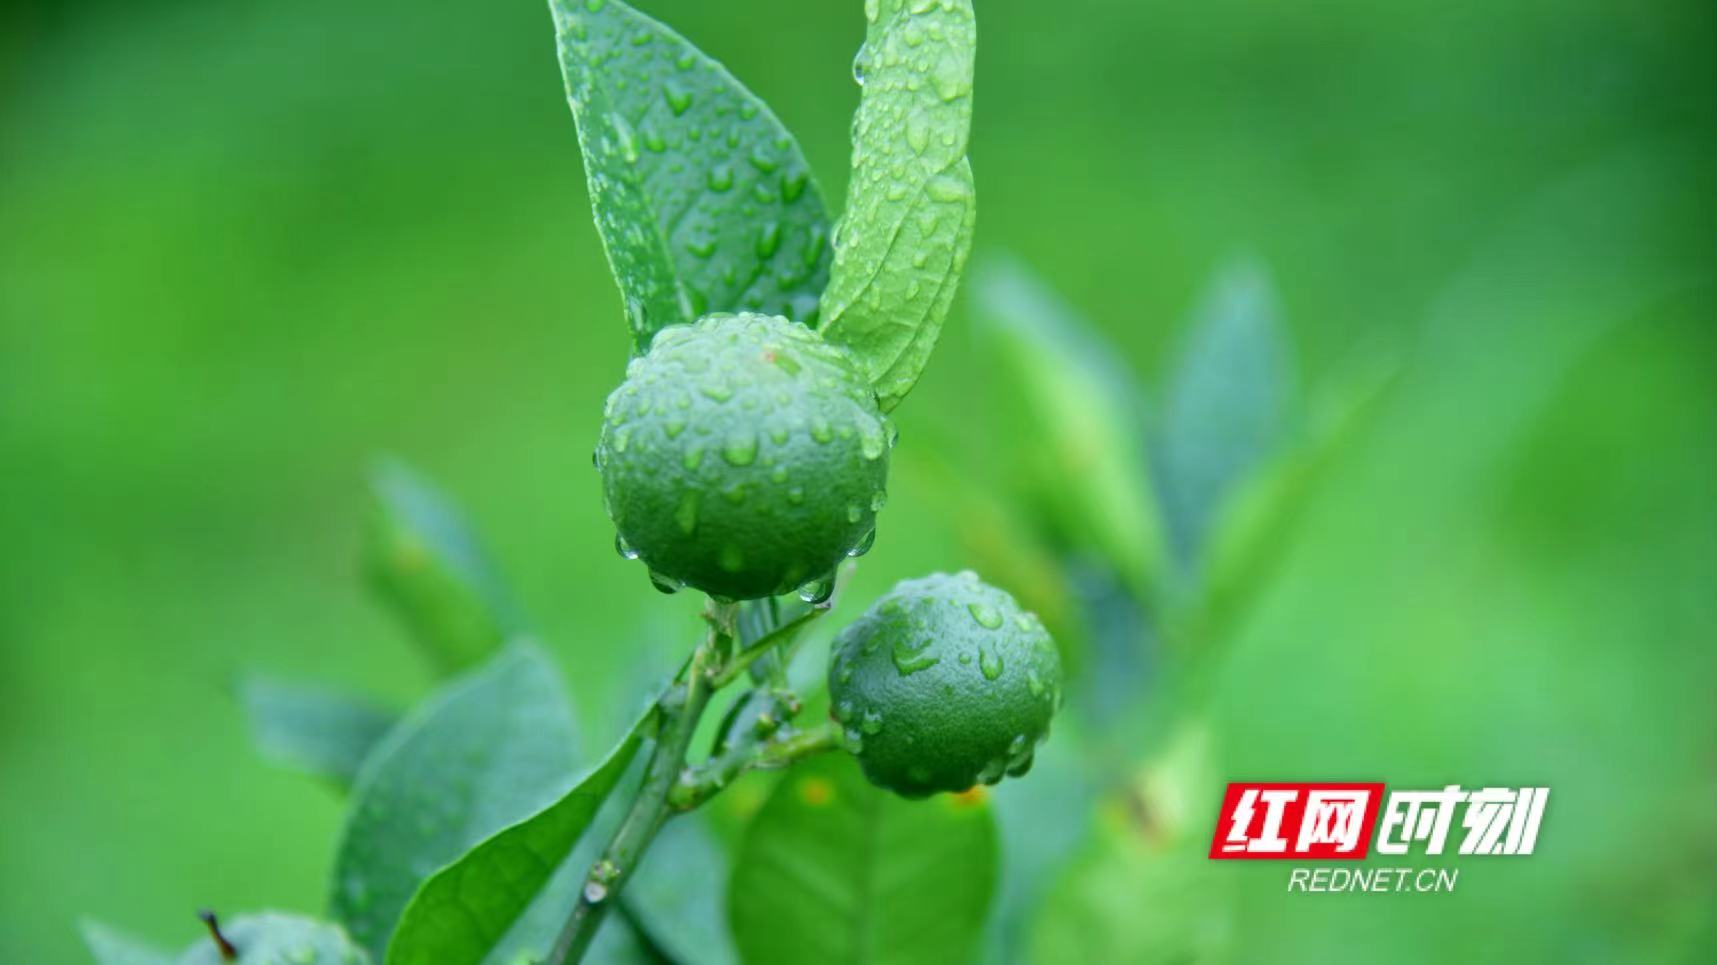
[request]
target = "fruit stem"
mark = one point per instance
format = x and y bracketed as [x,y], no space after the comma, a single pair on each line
[784,633]
[707,779]
[649,808]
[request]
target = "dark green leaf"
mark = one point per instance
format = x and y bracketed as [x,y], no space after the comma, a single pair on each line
[465,911]
[1227,407]
[911,208]
[423,560]
[703,200]
[1083,410]
[322,732]
[834,870]
[488,750]
[268,938]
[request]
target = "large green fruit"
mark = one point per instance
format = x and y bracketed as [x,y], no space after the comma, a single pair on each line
[743,456]
[944,683]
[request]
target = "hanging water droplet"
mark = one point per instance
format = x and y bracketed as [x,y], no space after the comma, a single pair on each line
[864,544]
[665,584]
[624,548]
[861,64]
[817,591]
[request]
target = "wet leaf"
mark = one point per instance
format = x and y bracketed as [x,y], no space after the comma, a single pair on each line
[704,201]
[466,911]
[488,750]
[907,229]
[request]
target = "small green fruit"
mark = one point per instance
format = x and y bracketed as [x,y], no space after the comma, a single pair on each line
[743,456]
[944,683]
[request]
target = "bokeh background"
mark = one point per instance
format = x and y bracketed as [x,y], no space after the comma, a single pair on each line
[244,247]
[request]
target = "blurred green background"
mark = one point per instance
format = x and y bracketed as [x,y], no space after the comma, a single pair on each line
[244,247]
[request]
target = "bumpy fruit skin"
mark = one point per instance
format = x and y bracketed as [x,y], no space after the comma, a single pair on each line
[944,683]
[743,456]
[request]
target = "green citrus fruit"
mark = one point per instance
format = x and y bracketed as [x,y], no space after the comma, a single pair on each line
[944,683]
[743,456]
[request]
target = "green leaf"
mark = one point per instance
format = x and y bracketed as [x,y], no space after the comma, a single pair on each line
[268,938]
[486,751]
[704,201]
[1227,406]
[834,870]
[1141,888]
[674,898]
[1089,463]
[319,731]
[911,207]
[465,911]
[1256,529]
[423,560]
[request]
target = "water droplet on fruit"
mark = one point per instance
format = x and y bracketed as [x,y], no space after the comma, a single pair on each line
[821,431]
[693,458]
[720,177]
[864,544]
[740,449]
[716,391]
[871,722]
[624,548]
[796,495]
[986,615]
[732,559]
[861,64]
[911,656]
[679,99]
[1033,681]
[854,513]
[844,711]
[595,892]
[990,662]
[686,513]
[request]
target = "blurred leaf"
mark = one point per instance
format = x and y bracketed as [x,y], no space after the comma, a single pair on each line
[1042,820]
[703,200]
[834,870]
[1255,531]
[268,938]
[484,752]
[1226,407]
[911,208]
[1085,409]
[465,911]
[321,732]
[1142,888]
[110,947]
[424,561]
[675,897]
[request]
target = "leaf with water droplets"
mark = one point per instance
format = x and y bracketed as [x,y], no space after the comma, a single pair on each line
[486,750]
[424,561]
[703,200]
[316,730]
[265,938]
[467,910]
[835,870]
[907,229]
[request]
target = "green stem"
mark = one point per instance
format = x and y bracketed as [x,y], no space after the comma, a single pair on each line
[707,780]
[649,808]
[769,641]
